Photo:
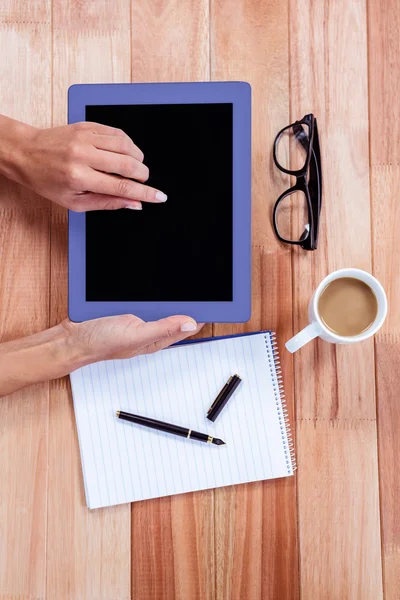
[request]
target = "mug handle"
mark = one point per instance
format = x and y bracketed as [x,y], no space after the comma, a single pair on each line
[303,337]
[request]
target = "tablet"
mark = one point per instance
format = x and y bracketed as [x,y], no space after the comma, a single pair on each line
[192,254]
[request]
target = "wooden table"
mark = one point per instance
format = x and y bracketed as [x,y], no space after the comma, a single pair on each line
[331,532]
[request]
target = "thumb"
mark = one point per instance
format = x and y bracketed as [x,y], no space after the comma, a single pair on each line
[165,329]
[92,201]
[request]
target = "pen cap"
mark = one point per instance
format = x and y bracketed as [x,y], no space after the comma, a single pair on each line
[223,397]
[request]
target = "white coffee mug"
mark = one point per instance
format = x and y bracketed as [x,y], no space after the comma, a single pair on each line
[317,328]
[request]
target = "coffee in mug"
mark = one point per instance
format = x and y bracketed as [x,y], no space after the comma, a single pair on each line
[348,306]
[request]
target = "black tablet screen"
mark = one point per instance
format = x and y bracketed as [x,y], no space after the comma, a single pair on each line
[180,250]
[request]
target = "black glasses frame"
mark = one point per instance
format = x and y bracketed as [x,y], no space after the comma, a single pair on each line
[311,187]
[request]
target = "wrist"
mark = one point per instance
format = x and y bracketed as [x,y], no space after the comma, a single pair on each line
[14,136]
[73,353]
[43,356]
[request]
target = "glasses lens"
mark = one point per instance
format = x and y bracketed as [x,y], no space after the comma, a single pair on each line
[292,147]
[292,219]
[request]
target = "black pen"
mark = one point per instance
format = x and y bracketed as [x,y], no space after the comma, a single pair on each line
[168,428]
[223,397]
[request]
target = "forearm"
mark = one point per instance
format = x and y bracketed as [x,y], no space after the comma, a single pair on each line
[13,135]
[40,357]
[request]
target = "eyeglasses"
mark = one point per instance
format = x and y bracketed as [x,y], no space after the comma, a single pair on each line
[297,211]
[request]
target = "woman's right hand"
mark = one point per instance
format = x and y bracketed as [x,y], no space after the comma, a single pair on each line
[125,336]
[68,346]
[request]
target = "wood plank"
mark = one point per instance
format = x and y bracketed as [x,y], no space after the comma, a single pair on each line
[28,13]
[256,529]
[388,367]
[99,16]
[24,277]
[88,551]
[335,385]
[384,103]
[24,274]
[170,42]
[336,495]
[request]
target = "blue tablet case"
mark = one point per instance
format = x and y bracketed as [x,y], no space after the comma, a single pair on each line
[237,93]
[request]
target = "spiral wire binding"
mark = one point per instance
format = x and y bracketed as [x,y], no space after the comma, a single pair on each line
[280,401]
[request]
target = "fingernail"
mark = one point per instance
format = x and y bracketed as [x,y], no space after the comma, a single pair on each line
[161,197]
[135,207]
[189,326]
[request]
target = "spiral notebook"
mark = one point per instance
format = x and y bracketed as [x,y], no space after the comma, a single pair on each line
[123,462]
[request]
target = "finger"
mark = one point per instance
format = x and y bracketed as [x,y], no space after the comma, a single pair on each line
[156,346]
[112,185]
[102,129]
[90,201]
[164,331]
[119,145]
[110,162]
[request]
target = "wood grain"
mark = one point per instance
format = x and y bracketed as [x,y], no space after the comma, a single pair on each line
[388,366]
[88,551]
[340,555]
[177,561]
[384,105]
[24,277]
[170,40]
[339,60]
[335,386]
[256,538]
[100,16]
[28,13]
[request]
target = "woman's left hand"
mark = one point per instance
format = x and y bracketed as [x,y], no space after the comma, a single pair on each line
[84,166]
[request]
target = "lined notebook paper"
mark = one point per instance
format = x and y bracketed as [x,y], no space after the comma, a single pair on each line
[124,462]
